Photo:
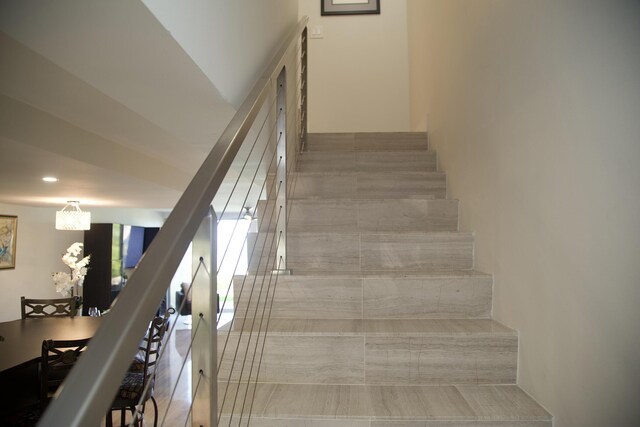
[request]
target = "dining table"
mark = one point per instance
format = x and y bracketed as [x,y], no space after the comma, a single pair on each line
[20,353]
[21,340]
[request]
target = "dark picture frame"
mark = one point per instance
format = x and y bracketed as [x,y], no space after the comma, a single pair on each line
[8,238]
[349,7]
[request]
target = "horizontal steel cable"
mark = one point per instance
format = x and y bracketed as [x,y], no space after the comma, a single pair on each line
[243,323]
[244,361]
[263,343]
[255,350]
[242,248]
[221,215]
[175,387]
[246,197]
[250,258]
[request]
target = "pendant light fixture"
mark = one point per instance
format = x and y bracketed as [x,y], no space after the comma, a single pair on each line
[71,217]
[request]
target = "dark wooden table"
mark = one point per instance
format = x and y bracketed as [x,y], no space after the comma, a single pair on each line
[21,340]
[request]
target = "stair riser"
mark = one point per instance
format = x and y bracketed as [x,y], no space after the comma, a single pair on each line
[415,360]
[367,161]
[366,216]
[256,421]
[514,423]
[368,252]
[391,360]
[367,185]
[296,358]
[369,298]
[427,298]
[303,298]
[367,141]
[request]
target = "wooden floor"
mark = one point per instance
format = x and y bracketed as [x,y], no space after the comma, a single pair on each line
[167,381]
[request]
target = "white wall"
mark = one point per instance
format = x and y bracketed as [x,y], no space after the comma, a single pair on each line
[533,107]
[38,251]
[231,41]
[40,247]
[418,15]
[358,73]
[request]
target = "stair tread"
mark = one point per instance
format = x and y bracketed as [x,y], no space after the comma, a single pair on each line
[380,172]
[364,199]
[392,402]
[374,327]
[356,198]
[377,233]
[373,150]
[387,274]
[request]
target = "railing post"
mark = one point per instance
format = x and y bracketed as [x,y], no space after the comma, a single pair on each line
[204,381]
[280,266]
[303,90]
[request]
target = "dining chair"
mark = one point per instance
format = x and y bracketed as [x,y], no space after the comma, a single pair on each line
[142,372]
[58,357]
[39,308]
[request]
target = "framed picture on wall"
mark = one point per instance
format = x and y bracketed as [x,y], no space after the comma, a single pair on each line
[349,7]
[8,237]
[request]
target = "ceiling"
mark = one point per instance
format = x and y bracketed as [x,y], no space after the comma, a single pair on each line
[101,96]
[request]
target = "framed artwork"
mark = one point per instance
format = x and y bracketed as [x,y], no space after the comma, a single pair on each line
[8,237]
[349,7]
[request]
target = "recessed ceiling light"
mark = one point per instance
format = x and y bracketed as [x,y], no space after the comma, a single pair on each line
[50,179]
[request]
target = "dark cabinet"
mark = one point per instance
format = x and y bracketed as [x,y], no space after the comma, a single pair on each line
[115,251]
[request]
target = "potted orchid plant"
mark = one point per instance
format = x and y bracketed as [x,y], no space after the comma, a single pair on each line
[68,283]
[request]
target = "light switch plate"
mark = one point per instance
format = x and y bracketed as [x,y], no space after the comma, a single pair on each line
[316,32]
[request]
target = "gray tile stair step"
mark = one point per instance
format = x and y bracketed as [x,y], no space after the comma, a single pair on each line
[365,185]
[383,351]
[393,295]
[389,274]
[384,322]
[376,215]
[367,251]
[368,141]
[304,405]
[367,161]
[373,327]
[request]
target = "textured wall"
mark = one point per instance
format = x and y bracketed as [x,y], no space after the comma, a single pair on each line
[533,107]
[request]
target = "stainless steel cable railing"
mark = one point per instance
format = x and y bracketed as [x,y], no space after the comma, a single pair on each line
[253,160]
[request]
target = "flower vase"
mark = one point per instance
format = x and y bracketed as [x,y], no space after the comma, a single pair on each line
[77,301]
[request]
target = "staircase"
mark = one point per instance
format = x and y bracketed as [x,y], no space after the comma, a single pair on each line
[385,322]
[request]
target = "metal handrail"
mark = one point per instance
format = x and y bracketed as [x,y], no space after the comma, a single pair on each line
[88,391]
